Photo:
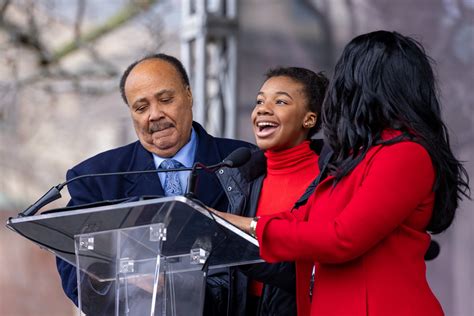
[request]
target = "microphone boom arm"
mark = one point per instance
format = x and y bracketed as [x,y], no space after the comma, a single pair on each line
[235,159]
[54,193]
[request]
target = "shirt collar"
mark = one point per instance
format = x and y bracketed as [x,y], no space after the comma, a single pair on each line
[185,155]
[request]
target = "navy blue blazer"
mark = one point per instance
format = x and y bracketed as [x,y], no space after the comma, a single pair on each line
[210,150]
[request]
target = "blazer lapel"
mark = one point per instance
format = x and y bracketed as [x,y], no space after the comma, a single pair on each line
[208,188]
[142,184]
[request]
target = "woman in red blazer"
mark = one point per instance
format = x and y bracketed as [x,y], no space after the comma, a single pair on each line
[392,178]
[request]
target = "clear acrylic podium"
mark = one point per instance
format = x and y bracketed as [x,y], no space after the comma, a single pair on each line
[141,258]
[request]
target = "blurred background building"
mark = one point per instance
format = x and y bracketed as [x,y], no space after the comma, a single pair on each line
[60,64]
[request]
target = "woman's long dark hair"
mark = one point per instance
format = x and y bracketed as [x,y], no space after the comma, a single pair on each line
[384,80]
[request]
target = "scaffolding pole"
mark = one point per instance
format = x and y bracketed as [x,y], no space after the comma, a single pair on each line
[209,54]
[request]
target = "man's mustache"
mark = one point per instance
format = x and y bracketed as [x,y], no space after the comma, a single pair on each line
[159,126]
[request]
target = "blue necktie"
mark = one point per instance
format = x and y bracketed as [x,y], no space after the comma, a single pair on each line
[172,185]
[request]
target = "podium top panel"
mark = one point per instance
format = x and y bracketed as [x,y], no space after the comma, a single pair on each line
[188,226]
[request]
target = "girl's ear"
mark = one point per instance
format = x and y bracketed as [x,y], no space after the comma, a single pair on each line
[310,120]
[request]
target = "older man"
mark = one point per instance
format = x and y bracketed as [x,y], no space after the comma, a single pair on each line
[157,92]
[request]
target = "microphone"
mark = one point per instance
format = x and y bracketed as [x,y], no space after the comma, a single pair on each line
[433,250]
[235,159]
[50,196]
[54,193]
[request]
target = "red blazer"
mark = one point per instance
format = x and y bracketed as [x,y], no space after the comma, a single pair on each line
[366,236]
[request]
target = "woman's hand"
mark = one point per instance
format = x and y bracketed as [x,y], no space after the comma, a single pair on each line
[242,222]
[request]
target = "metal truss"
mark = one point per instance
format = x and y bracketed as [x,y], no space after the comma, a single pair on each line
[209,54]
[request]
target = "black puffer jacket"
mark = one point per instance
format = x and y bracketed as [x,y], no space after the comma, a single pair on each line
[242,186]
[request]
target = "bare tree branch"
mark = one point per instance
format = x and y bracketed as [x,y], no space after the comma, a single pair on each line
[81,8]
[3,8]
[24,37]
[29,37]
[121,17]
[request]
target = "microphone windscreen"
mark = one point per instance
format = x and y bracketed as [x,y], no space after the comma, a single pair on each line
[238,157]
[433,250]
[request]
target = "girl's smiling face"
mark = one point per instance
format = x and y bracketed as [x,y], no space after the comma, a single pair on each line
[281,118]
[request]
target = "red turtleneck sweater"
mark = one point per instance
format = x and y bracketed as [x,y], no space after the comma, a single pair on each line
[289,173]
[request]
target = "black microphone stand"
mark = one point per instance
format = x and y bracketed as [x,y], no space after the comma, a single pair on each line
[54,193]
[192,179]
[236,158]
